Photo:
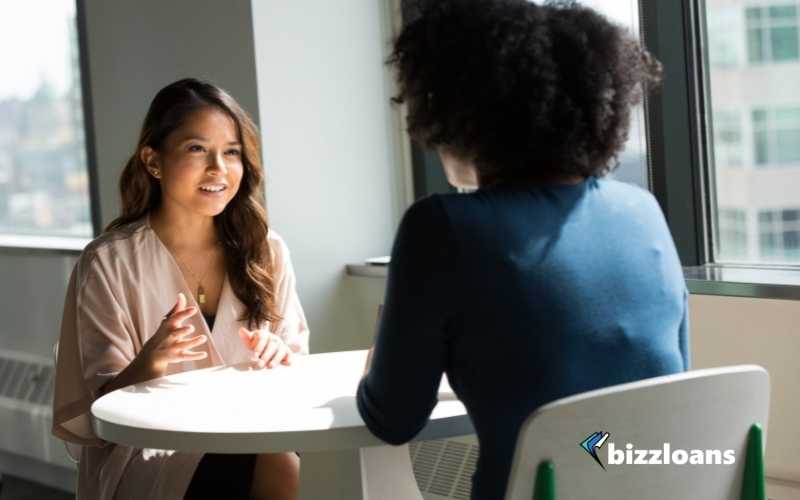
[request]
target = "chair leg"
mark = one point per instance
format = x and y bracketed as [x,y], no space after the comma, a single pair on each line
[753,483]
[545,486]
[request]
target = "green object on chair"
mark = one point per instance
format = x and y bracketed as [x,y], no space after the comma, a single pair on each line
[753,487]
[545,486]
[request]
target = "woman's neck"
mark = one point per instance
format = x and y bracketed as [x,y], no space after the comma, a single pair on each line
[184,232]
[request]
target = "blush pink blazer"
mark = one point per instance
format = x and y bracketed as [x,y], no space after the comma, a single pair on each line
[122,286]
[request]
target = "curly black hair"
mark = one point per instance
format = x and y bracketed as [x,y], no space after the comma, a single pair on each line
[528,92]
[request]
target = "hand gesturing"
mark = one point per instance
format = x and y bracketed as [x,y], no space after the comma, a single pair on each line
[268,347]
[169,344]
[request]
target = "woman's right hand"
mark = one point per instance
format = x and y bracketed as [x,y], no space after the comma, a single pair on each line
[169,344]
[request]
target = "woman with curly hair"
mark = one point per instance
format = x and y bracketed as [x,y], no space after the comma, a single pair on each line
[192,242]
[549,279]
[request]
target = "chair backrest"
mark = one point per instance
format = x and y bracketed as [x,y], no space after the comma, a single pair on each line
[73,449]
[701,410]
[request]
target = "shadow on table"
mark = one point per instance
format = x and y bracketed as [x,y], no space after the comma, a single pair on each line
[342,405]
[152,385]
[165,383]
[246,366]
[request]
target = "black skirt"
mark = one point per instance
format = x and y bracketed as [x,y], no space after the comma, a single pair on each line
[227,476]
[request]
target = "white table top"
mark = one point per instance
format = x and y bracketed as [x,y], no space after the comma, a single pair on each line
[309,406]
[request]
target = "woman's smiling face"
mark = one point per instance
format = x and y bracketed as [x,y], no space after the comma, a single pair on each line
[200,165]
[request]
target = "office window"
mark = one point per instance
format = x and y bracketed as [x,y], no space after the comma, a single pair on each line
[44,182]
[772,33]
[776,136]
[755,118]
[779,235]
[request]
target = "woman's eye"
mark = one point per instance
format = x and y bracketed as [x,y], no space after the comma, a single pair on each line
[196,148]
[233,152]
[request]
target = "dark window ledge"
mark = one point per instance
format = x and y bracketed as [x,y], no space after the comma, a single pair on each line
[731,281]
[741,281]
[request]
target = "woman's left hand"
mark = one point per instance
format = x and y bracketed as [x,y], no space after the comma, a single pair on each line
[268,347]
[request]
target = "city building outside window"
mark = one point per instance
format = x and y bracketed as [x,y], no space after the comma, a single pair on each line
[728,139]
[755,118]
[44,179]
[772,33]
[733,233]
[776,136]
[779,235]
[725,41]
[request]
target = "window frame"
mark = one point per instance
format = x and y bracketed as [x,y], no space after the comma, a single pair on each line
[12,244]
[680,136]
[678,127]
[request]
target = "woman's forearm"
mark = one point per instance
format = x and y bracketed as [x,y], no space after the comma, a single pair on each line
[137,371]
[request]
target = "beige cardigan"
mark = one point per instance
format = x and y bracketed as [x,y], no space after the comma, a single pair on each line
[122,286]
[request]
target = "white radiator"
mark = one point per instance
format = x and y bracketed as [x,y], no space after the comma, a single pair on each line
[444,468]
[26,394]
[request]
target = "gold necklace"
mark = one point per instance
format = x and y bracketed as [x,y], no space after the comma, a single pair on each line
[201,293]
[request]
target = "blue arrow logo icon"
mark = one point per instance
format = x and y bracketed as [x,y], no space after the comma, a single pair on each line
[594,442]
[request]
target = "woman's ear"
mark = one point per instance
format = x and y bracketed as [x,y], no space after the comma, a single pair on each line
[149,159]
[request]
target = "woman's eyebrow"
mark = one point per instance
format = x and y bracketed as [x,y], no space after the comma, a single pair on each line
[205,139]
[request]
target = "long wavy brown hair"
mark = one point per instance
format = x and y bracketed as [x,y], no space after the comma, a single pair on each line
[242,227]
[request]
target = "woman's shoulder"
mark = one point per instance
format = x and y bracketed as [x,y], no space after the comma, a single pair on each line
[623,189]
[431,206]
[278,247]
[110,244]
[275,240]
[623,197]
[427,221]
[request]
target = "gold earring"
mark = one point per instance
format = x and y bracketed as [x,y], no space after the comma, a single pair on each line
[155,173]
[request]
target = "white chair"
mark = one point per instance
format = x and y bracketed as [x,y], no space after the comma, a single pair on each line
[73,450]
[715,409]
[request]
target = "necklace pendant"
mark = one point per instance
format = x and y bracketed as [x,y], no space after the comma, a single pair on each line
[201,295]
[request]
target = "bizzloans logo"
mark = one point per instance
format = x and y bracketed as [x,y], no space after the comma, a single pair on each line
[665,456]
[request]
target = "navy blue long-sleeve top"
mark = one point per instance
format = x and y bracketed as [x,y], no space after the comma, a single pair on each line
[523,296]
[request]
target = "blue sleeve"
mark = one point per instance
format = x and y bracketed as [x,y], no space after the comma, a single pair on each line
[683,334]
[398,394]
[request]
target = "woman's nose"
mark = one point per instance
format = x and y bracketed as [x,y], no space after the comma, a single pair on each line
[218,163]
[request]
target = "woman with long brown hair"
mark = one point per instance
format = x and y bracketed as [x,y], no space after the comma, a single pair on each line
[192,242]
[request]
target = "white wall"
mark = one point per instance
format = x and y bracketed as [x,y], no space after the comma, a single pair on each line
[32,288]
[734,330]
[136,48]
[334,190]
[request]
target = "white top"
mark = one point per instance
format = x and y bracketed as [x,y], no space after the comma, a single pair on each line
[309,406]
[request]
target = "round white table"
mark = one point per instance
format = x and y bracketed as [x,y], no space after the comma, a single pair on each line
[308,407]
